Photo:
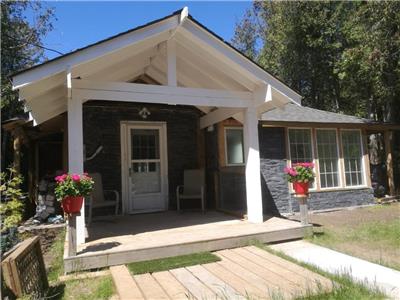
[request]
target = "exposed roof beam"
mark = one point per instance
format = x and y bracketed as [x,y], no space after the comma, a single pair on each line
[132,92]
[114,61]
[198,55]
[217,115]
[171,63]
[146,35]
[224,53]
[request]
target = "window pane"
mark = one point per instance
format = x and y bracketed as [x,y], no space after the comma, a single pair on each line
[352,155]
[234,146]
[328,158]
[145,144]
[300,146]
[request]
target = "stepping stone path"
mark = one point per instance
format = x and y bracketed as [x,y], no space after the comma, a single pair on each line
[243,273]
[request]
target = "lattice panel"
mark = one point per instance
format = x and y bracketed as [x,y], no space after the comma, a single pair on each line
[25,269]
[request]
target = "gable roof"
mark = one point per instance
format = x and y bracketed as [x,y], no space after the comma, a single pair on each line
[303,114]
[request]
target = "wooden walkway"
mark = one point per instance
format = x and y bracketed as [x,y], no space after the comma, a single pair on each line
[242,273]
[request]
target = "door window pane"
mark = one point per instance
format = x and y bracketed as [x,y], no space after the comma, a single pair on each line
[145,144]
[352,156]
[328,158]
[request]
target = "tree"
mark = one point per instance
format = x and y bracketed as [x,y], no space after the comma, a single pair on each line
[341,56]
[21,47]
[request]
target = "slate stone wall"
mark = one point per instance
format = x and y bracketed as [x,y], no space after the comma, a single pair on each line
[102,127]
[276,195]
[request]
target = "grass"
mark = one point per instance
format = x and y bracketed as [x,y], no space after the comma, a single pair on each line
[57,265]
[344,287]
[378,238]
[168,263]
[84,289]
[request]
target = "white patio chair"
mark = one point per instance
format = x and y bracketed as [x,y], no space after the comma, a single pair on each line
[97,199]
[192,188]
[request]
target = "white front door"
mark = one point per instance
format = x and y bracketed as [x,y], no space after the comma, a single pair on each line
[146,159]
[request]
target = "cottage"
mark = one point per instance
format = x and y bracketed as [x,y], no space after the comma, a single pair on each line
[145,105]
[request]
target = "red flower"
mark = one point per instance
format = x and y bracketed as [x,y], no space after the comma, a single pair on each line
[75,177]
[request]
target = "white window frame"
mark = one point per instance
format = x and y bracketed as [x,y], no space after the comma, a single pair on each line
[226,146]
[289,162]
[341,184]
[363,171]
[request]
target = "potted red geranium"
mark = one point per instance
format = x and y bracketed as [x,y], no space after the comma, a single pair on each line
[71,189]
[301,175]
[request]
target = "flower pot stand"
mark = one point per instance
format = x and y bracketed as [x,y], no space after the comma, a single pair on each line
[302,198]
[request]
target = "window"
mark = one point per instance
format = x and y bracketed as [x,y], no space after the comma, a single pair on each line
[328,158]
[300,145]
[234,146]
[352,156]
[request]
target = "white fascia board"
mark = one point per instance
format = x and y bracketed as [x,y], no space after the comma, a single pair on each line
[227,53]
[93,52]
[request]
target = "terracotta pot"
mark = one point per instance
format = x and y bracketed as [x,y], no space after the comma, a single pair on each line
[72,205]
[301,188]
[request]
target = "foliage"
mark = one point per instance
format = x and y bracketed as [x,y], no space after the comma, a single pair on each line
[341,56]
[21,48]
[169,263]
[300,172]
[73,185]
[11,206]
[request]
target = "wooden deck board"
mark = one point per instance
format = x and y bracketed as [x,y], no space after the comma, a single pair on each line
[192,284]
[299,270]
[275,283]
[125,285]
[150,287]
[232,279]
[219,287]
[171,285]
[280,270]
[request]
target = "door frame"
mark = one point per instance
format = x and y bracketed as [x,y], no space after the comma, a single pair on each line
[125,126]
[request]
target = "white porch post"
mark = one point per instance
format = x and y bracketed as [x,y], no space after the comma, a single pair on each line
[253,180]
[75,155]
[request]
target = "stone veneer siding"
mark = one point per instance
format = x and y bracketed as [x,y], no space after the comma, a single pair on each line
[102,127]
[276,194]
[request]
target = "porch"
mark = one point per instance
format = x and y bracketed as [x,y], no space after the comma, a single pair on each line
[114,241]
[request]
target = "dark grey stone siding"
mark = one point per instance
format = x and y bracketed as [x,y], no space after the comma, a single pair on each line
[276,195]
[102,127]
[337,199]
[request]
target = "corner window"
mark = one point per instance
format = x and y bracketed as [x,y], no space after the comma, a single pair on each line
[352,156]
[234,146]
[328,158]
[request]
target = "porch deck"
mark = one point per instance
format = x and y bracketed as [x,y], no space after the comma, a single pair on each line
[149,236]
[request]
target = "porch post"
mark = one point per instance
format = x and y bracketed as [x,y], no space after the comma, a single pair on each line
[75,155]
[253,180]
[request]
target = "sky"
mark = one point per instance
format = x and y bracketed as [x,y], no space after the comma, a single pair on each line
[78,24]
